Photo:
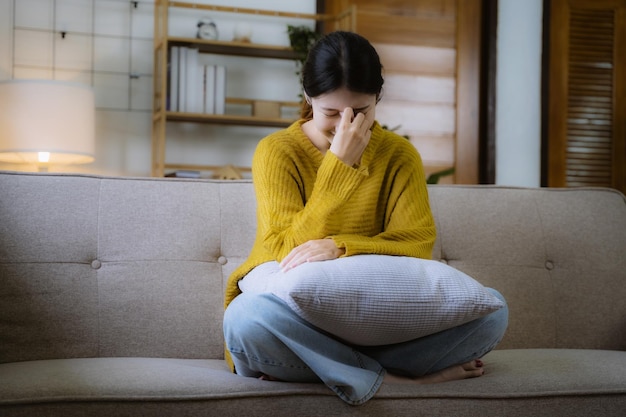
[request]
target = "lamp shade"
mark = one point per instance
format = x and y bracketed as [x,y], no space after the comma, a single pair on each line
[46,121]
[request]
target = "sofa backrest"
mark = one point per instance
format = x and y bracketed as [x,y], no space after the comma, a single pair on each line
[93,266]
[117,266]
[557,255]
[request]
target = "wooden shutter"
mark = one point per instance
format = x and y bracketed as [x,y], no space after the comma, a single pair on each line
[586,141]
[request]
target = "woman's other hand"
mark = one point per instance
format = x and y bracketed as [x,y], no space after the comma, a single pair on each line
[311,251]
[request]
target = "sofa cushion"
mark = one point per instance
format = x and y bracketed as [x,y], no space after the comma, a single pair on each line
[375,299]
[93,266]
[550,382]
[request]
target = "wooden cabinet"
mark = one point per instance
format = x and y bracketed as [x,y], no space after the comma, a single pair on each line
[585,134]
[163,44]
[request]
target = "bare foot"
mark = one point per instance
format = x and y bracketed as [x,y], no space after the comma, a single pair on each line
[470,369]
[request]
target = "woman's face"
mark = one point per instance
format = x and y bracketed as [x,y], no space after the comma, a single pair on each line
[328,109]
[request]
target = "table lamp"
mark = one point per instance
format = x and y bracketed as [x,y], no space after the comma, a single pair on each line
[46,122]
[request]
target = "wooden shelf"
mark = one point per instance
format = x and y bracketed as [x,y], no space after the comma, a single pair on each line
[245,10]
[226,119]
[235,48]
[264,113]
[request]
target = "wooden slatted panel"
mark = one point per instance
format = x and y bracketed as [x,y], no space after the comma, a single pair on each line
[417,59]
[419,96]
[590,104]
[408,22]
[430,51]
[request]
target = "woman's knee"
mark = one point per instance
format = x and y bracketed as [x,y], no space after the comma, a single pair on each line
[244,316]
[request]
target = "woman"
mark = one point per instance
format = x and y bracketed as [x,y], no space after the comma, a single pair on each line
[336,184]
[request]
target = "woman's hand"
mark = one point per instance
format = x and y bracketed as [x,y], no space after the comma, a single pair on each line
[351,136]
[311,251]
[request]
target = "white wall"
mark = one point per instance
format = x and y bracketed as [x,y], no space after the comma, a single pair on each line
[116,39]
[107,41]
[518,93]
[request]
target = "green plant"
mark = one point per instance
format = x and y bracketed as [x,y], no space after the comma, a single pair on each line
[301,38]
[435,176]
[394,129]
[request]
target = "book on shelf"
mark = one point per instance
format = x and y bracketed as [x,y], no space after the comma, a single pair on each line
[182,79]
[173,84]
[220,89]
[209,88]
[195,80]
[195,87]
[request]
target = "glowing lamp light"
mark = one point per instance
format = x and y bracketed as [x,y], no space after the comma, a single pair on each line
[46,122]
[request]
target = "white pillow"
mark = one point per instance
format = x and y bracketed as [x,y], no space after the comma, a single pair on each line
[375,299]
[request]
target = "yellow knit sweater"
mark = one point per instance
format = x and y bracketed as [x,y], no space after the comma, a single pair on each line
[381,207]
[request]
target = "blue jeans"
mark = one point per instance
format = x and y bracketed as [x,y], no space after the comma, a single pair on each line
[264,336]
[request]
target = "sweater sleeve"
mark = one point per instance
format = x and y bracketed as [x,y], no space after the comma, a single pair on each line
[409,227]
[283,217]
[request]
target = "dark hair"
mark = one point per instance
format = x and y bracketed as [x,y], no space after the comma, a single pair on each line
[341,59]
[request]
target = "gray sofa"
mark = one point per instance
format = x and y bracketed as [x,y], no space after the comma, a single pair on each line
[111,301]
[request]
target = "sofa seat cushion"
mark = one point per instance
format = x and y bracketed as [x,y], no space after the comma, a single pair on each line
[550,381]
